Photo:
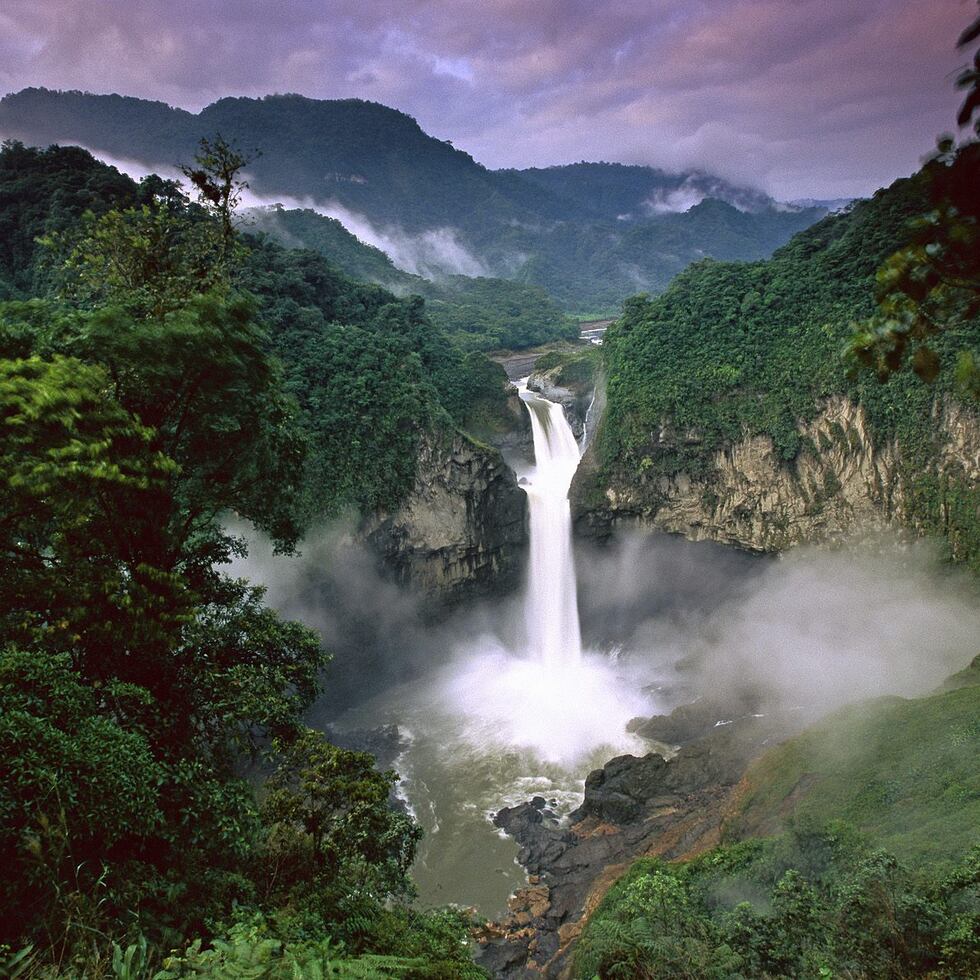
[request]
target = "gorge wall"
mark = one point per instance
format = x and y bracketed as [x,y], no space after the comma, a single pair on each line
[840,483]
[462,530]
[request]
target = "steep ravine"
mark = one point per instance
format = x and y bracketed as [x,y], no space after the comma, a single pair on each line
[842,482]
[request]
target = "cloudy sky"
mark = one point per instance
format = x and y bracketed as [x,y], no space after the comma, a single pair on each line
[801,97]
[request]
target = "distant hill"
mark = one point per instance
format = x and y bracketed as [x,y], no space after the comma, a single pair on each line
[631,193]
[478,313]
[591,234]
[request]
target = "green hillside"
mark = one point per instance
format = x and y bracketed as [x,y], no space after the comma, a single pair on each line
[736,349]
[478,313]
[557,228]
[874,872]
[917,795]
[340,341]
[158,373]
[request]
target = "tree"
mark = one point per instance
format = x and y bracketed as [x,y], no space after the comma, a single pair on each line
[148,261]
[80,478]
[932,284]
[216,173]
[969,78]
[332,830]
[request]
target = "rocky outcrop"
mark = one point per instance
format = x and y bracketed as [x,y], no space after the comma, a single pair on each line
[515,441]
[840,482]
[633,806]
[575,398]
[462,530]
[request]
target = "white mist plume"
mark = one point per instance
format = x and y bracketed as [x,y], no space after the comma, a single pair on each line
[697,187]
[813,629]
[434,253]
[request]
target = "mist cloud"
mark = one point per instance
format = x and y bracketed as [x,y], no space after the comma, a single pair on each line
[806,632]
[811,630]
[434,254]
[818,98]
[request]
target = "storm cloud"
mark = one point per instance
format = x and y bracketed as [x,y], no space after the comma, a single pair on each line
[805,98]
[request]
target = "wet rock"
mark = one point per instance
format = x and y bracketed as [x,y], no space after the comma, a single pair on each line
[462,531]
[385,743]
[575,402]
[619,791]
[690,721]
[632,806]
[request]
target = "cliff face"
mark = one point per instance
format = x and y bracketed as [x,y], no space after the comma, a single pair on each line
[840,483]
[462,530]
[575,397]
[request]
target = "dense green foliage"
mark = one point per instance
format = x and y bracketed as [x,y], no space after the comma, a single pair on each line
[370,371]
[140,403]
[735,348]
[496,314]
[562,229]
[817,903]
[933,282]
[858,801]
[44,192]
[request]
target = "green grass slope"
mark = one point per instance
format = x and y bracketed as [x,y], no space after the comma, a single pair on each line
[904,772]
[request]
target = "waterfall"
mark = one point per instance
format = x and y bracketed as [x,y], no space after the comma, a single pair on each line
[551,610]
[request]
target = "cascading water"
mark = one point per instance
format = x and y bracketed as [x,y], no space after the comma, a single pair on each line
[551,611]
[503,722]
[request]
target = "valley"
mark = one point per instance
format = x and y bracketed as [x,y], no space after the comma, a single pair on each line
[413,569]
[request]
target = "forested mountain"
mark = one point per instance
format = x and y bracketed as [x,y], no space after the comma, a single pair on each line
[732,409]
[340,341]
[479,313]
[559,228]
[630,193]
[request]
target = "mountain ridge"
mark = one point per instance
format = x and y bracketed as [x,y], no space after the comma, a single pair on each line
[377,163]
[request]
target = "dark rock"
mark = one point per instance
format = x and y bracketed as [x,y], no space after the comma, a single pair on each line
[385,743]
[632,806]
[462,531]
[617,792]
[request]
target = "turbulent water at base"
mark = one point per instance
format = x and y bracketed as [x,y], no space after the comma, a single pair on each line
[552,603]
[505,721]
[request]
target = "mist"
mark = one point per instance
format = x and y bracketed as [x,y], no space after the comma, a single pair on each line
[697,187]
[665,622]
[434,254]
[810,631]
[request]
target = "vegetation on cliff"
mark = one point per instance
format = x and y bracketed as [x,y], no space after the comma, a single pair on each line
[813,903]
[739,349]
[143,691]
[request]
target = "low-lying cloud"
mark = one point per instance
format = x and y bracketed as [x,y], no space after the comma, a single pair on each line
[809,631]
[812,630]
[434,254]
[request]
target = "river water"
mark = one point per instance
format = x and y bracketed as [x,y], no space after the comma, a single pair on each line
[500,724]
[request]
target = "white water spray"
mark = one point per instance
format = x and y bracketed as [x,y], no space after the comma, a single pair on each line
[553,633]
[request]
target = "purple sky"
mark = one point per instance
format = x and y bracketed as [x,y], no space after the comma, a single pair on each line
[802,97]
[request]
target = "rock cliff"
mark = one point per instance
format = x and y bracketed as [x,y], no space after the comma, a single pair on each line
[462,530]
[840,482]
[575,397]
